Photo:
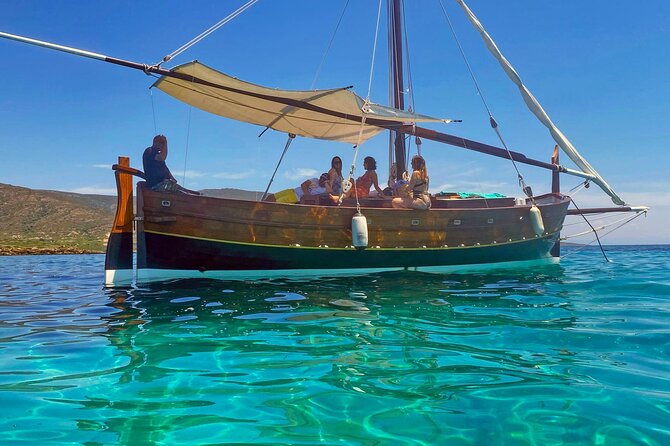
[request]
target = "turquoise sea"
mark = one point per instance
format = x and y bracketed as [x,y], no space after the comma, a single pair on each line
[569,354]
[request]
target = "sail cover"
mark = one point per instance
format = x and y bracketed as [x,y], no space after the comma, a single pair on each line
[537,109]
[324,114]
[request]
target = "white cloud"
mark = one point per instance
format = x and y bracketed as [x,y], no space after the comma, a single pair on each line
[235,175]
[476,172]
[191,174]
[93,190]
[301,173]
[102,166]
[652,199]
[443,187]
[644,185]
[485,185]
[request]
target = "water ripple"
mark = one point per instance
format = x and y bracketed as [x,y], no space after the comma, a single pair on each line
[570,354]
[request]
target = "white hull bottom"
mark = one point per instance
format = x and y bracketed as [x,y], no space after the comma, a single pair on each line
[119,277]
[144,276]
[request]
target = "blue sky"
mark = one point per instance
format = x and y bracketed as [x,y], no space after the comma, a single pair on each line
[601,69]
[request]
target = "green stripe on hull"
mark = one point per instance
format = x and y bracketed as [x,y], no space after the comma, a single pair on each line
[164,251]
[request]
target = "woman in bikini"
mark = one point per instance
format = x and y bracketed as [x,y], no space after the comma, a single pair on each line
[418,188]
[366,181]
[335,173]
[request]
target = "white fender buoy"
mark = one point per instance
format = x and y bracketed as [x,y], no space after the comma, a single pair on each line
[359,231]
[536,221]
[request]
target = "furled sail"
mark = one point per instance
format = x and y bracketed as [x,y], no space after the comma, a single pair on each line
[324,114]
[537,110]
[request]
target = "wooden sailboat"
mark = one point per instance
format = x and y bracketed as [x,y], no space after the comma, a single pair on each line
[188,236]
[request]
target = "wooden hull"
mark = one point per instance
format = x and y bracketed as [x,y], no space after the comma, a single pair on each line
[202,235]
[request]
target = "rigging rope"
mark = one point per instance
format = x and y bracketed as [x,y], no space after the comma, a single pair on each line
[188,138]
[410,85]
[153,110]
[599,216]
[290,139]
[494,124]
[594,231]
[605,234]
[347,184]
[323,58]
[389,100]
[207,32]
[578,188]
[374,51]
[599,228]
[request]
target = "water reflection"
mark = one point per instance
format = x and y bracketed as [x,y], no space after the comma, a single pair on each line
[284,352]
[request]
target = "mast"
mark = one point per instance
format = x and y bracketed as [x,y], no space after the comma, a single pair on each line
[395,29]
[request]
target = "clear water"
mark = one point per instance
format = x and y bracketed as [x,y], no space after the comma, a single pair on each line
[577,353]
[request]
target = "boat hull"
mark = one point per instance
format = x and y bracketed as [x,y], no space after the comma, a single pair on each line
[189,236]
[169,251]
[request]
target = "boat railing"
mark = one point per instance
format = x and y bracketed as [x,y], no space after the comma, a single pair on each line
[129,170]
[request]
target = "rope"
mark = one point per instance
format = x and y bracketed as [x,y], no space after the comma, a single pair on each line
[599,216]
[323,58]
[374,51]
[290,139]
[188,138]
[522,184]
[578,188]
[594,232]
[390,98]
[604,235]
[599,228]
[410,84]
[346,184]
[153,110]
[207,32]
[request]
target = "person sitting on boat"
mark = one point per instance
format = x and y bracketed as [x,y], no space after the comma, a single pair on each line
[363,183]
[418,186]
[313,186]
[335,174]
[157,175]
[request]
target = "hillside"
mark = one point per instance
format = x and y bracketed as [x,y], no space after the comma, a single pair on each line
[46,221]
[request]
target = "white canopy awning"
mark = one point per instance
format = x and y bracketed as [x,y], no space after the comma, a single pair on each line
[323,114]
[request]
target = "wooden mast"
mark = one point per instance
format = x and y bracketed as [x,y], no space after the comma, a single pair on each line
[395,29]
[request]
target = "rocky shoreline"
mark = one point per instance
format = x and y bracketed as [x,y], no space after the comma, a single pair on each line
[15,251]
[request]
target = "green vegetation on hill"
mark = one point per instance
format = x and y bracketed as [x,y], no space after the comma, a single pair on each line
[41,221]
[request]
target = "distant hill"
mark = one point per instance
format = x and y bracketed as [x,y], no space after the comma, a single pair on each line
[44,221]
[47,221]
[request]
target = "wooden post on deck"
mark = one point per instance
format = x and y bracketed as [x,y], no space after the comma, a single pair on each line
[119,258]
[556,189]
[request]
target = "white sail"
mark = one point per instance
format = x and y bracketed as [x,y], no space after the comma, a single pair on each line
[537,110]
[324,114]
